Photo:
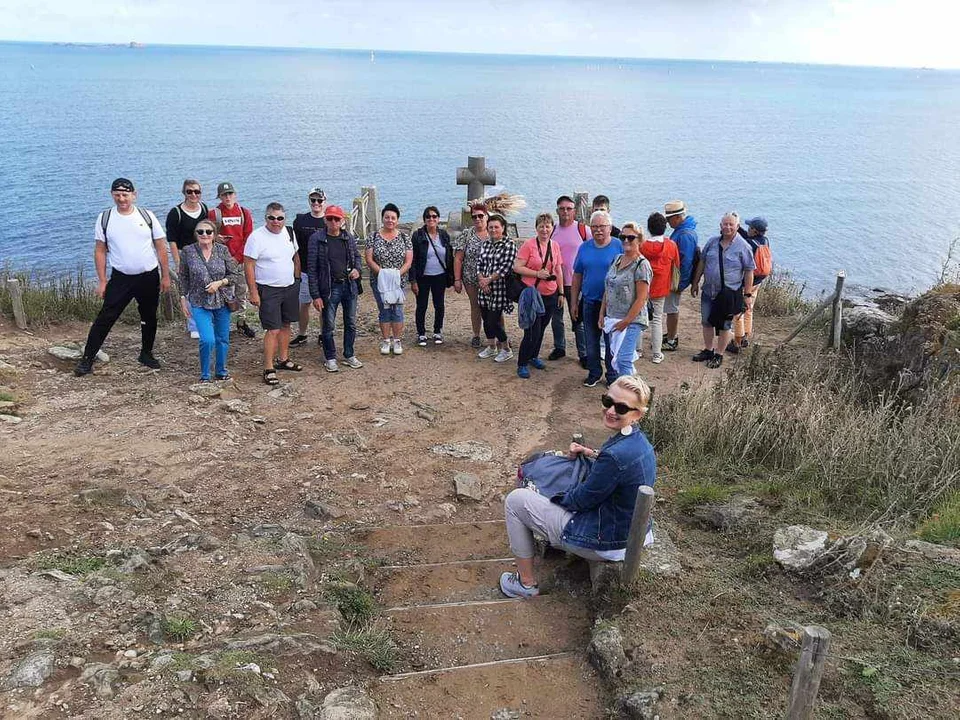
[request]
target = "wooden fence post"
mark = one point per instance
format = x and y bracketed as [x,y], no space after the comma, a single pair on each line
[16,301]
[808,319]
[837,327]
[372,220]
[638,532]
[808,672]
[581,201]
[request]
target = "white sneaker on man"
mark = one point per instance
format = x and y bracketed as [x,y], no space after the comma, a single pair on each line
[353,361]
[487,352]
[331,366]
[194,334]
[397,347]
[385,346]
[504,355]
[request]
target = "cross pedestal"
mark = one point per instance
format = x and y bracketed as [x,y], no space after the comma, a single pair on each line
[475,176]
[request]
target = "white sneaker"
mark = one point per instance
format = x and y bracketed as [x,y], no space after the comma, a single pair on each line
[194,334]
[487,352]
[353,362]
[397,347]
[331,366]
[385,346]
[657,358]
[503,355]
[438,339]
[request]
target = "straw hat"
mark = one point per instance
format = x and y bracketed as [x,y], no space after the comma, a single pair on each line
[674,207]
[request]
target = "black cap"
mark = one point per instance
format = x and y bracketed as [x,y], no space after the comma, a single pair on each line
[123,185]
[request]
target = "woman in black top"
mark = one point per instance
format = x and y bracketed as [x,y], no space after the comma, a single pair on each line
[431,273]
[181,222]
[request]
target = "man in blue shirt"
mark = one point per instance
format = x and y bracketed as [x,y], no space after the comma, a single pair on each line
[594,258]
[685,236]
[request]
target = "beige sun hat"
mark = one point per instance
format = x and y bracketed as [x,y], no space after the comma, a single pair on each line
[674,207]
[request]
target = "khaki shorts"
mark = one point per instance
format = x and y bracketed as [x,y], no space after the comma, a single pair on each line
[671,305]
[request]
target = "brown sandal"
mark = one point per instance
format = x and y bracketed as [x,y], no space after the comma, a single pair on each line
[270,377]
[287,364]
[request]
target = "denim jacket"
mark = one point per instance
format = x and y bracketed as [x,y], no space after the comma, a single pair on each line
[602,505]
[318,269]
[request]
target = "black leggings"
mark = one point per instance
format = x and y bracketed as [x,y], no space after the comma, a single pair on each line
[427,286]
[533,335]
[493,324]
[121,289]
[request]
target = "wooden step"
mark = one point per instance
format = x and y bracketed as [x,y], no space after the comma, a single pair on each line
[559,686]
[418,544]
[449,634]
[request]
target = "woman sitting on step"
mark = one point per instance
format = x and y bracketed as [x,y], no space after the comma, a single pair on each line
[593,519]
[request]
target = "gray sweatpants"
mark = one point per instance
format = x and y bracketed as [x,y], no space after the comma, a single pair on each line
[527,511]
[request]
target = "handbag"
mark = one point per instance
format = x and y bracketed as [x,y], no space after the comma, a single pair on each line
[515,283]
[726,303]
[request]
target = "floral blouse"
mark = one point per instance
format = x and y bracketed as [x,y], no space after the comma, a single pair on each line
[196,273]
[391,253]
[468,242]
[496,257]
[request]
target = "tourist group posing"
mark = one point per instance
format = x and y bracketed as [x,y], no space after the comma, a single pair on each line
[616,284]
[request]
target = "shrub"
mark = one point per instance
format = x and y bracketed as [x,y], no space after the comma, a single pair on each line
[781,296]
[373,643]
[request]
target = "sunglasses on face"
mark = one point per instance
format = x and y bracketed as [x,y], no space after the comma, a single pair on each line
[628,238]
[276,218]
[204,231]
[618,407]
[316,200]
[478,217]
[192,192]
[432,216]
[332,219]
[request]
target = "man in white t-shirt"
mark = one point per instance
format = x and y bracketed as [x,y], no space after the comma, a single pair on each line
[272,268]
[133,241]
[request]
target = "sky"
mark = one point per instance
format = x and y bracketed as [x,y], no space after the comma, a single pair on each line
[918,33]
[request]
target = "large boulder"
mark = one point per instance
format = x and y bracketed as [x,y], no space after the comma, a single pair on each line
[800,547]
[32,671]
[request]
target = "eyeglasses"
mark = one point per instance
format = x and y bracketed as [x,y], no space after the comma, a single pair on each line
[618,407]
[628,238]
[192,192]
[431,216]
[598,227]
[200,231]
[565,208]
[276,218]
[332,219]
[318,201]
[478,217]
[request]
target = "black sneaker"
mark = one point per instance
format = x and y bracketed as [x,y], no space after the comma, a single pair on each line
[591,381]
[149,360]
[671,345]
[246,329]
[745,343]
[84,367]
[298,340]
[733,347]
[715,362]
[556,354]
[422,340]
[703,355]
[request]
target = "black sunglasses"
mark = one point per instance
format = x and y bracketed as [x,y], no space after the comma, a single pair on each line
[619,407]
[316,200]
[430,216]
[192,192]
[332,219]
[201,231]
[276,218]
[477,217]
[628,238]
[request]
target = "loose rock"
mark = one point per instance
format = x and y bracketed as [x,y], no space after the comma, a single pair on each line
[467,487]
[799,547]
[238,406]
[783,640]
[506,714]
[295,644]
[102,677]
[348,703]
[640,705]
[11,419]
[32,671]
[73,353]
[467,450]
[606,651]
[206,390]
[317,510]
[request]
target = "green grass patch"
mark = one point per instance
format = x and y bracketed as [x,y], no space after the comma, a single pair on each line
[179,628]
[373,643]
[757,565]
[703,494]
[68,562]
[276,582]
[356,604]
[6,397]
[226,669]
[49,634]
[943,525]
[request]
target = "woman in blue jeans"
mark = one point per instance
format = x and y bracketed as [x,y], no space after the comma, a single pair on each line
[208,278]
[593,519]
[623,311]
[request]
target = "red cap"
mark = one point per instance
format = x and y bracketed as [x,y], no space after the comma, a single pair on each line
[334,211]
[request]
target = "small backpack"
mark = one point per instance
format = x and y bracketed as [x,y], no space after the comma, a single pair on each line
[105,220]
[763,260]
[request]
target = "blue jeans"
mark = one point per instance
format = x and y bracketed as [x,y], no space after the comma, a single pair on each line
[191,323]
[343,294]
[622,364]
[214,329]
[556,323]
[387,313]
[591,335]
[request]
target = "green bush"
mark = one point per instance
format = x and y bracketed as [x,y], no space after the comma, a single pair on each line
[781,296]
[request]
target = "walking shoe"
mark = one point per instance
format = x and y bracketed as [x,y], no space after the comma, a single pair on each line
[733,347]
[591,381]
[331,366]
[246,329]
[438,338]
[715,362]
[397,347]
[657,358]
[511,586]
[556,354]
[504,355]
[475,341]
[538,363]
[298,340]
[671,345]
[84,367]
[487,352]
[385,346]
[583,363]
[745,343]
[149,360]
[353,361]
[703,355]
[320,340]
[225,376]
[523,372]
[422,340]
[194,335]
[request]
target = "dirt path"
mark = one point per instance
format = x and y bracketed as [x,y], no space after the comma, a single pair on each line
[131,458]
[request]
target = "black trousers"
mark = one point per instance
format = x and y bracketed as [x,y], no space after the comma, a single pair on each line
[427,286]
[493,324]
[533,335]
[121,289]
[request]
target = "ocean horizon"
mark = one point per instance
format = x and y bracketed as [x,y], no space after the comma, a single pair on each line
[854,167]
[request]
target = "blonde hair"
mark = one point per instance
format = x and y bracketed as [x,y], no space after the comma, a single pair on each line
[633,225]
[544,218]
[205,221]
[636,385]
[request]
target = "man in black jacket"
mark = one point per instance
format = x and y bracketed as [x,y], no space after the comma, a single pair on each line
[333,268]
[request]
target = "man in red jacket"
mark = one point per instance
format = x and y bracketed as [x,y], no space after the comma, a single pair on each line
[234,225]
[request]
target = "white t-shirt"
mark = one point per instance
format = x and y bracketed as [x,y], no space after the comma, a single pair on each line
[129,241]
[274,255]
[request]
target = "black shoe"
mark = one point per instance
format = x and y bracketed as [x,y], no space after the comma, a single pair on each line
[84,367]
[703,356]
[583,363]
[591,380]
[149,360]
[246,329]
[298,340]
[319,340]
[715,362]
[556,354]
[745,343]
[733,347]
[670,345]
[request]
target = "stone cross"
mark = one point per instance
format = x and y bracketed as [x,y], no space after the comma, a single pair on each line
[475,175]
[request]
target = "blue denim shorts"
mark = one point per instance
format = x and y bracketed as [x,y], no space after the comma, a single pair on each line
[705,306]
[387,313]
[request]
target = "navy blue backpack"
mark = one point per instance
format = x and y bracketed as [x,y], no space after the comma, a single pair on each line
[552,473]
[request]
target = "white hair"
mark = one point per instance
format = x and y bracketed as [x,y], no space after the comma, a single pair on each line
[601,217]
[732,215]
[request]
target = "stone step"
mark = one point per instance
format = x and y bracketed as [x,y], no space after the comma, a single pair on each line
[419,544]
[440,583]
[451,634]
[558,686]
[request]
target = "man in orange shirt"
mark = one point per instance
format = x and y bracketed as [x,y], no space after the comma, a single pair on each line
[234,225]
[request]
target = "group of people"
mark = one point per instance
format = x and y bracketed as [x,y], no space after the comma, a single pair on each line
[616,283]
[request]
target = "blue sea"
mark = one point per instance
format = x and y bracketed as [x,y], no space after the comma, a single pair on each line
[854,168]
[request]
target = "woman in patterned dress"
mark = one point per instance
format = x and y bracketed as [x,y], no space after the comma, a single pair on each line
[494,265]
[467,247]
[389,248]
